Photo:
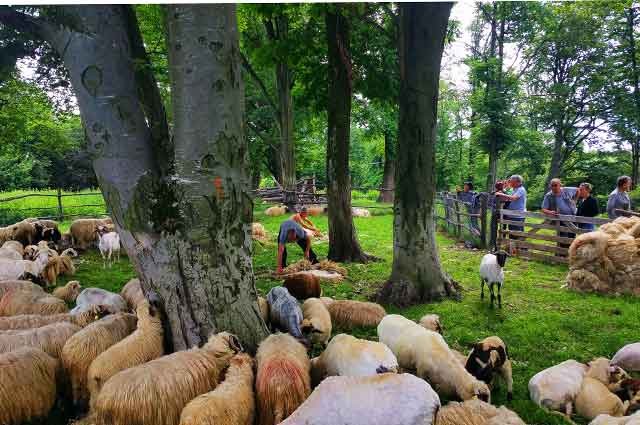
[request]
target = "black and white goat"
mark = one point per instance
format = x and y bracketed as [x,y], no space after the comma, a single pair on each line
[491,273]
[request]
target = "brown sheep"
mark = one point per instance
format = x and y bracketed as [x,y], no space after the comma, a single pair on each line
[264,309]
[303,286]
[30,321]
[85,345]
[24,232]
[155,393]
[132,293]
[348,314]
[49,338]
[83,231]
[57,265]
[476,412]
[8,285]
[27,385]
[30,302]
[68,292]
[283,380]
[143,345]
[231,403]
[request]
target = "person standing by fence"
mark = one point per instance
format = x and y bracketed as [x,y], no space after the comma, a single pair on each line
[619,198]
[517,202]
[468,196]
[587,205]
[560,201]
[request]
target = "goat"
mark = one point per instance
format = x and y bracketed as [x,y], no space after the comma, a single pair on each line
[491,273]
[109,244]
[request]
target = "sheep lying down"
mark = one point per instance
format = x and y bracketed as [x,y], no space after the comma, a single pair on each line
[612,420]
[628,357]
[386,399]
[557,387]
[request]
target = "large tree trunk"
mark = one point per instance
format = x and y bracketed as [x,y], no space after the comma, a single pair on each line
[388,174]
[343,243]
[490,89]
[417,274]
[635,144]
[188,234]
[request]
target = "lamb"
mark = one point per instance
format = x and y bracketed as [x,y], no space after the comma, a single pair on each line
[491,272]
[132,293]
[85,345]
[388,399]
[31,302]
[68,292]
[360,212]
[285,313]
[428,353]
[595,398]
[431,322]
[303,286]
[491,356]
[556,388]
[8,285]
[349,356]
[49,338]
[628,357]
[27,385]
[29,321]
[476,412]
[282,379]
[99,296]
[316,322]
[142,346]
[276,211]
[264,309]
[109,244]
[231,403]
[348,314]
[83,231]
[156,392]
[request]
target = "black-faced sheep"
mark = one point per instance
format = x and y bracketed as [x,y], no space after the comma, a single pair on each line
[49,338]
[628,357]
[231,403]
[142,346]
[68,292]
[348,314]
[100,296]
[349,356]
[285,314]
[282,379]
[431,322]
[492,273]
[556,388]
[30,302]
[388,399]
[132,293]
[27,385]
[427,352]
[155,393]
[29,321]
[317,321]
[303,286]
[85,345]
[488,357]
[476,412]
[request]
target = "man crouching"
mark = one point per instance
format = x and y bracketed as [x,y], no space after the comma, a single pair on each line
[290,231]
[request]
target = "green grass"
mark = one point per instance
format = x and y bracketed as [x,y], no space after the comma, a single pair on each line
[542,323]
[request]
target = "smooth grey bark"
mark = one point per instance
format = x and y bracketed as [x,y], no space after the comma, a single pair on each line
[388,173]
[187,235]
[417,274]
[635,144]
[493,146]
[343,241]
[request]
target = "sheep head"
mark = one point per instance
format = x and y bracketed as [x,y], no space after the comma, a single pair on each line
[501,257]
[223,344]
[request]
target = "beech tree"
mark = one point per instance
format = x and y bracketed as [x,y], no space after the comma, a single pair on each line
[181,204]
[417,274]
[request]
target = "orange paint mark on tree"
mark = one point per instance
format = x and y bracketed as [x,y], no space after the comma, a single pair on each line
[217,182]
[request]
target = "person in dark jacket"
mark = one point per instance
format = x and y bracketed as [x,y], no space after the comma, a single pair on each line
[587,205]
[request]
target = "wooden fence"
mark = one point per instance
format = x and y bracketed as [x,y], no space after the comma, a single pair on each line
[463,219]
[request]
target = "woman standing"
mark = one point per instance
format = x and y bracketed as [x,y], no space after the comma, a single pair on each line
[587,205]
[619,198]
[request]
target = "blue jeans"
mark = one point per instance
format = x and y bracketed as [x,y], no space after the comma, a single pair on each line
[587,226]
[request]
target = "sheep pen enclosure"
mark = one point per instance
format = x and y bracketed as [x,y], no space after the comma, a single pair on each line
[542,323]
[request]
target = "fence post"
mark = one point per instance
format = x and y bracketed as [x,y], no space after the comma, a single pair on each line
[60,212]
[483,221]
[494,223]
[458,226]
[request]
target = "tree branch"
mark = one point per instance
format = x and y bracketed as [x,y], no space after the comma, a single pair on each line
[22,22]
[247,66]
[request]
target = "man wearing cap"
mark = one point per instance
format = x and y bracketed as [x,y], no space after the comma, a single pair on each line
[290,231]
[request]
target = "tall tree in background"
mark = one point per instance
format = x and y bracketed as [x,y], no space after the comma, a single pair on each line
[417,274]
[181,205]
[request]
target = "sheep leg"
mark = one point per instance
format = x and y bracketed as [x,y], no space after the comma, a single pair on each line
[482,288]
[506,374]
[499,296]
[109,258]
[493,296]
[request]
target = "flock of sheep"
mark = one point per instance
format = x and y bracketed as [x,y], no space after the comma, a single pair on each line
[106,358]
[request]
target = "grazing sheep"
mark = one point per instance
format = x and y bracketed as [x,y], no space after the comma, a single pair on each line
[316,321]
[85,345]
[132,293]
[388,399]
[360,212]
[285,314]
[43,222]
[348,314]
[276,211]
[492,273]
[628,357]
[231,403]
[99,296]
[431,322]
[83,231]
[156,392]
[8,285]
[282,379]
[19,269]
[491,356]
[25,232]
[556,388]
[314,211]
[31,302]
[49,338]
[595,398]
[108,244]
[29,321]
[27,385]
[264,309]
[303,286]
[68,292]
[476,412]
[349,356]
[428,353]
[143,345]
[56,266]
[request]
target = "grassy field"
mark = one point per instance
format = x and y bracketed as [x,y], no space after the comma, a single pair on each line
[542,323]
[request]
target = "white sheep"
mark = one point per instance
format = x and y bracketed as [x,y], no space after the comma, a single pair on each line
[317,321]
[492,273]
[556,388]
[109,244]
[428,353]
[431,322]
[99,296]
[628,357]
[610,420]
[19,269]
